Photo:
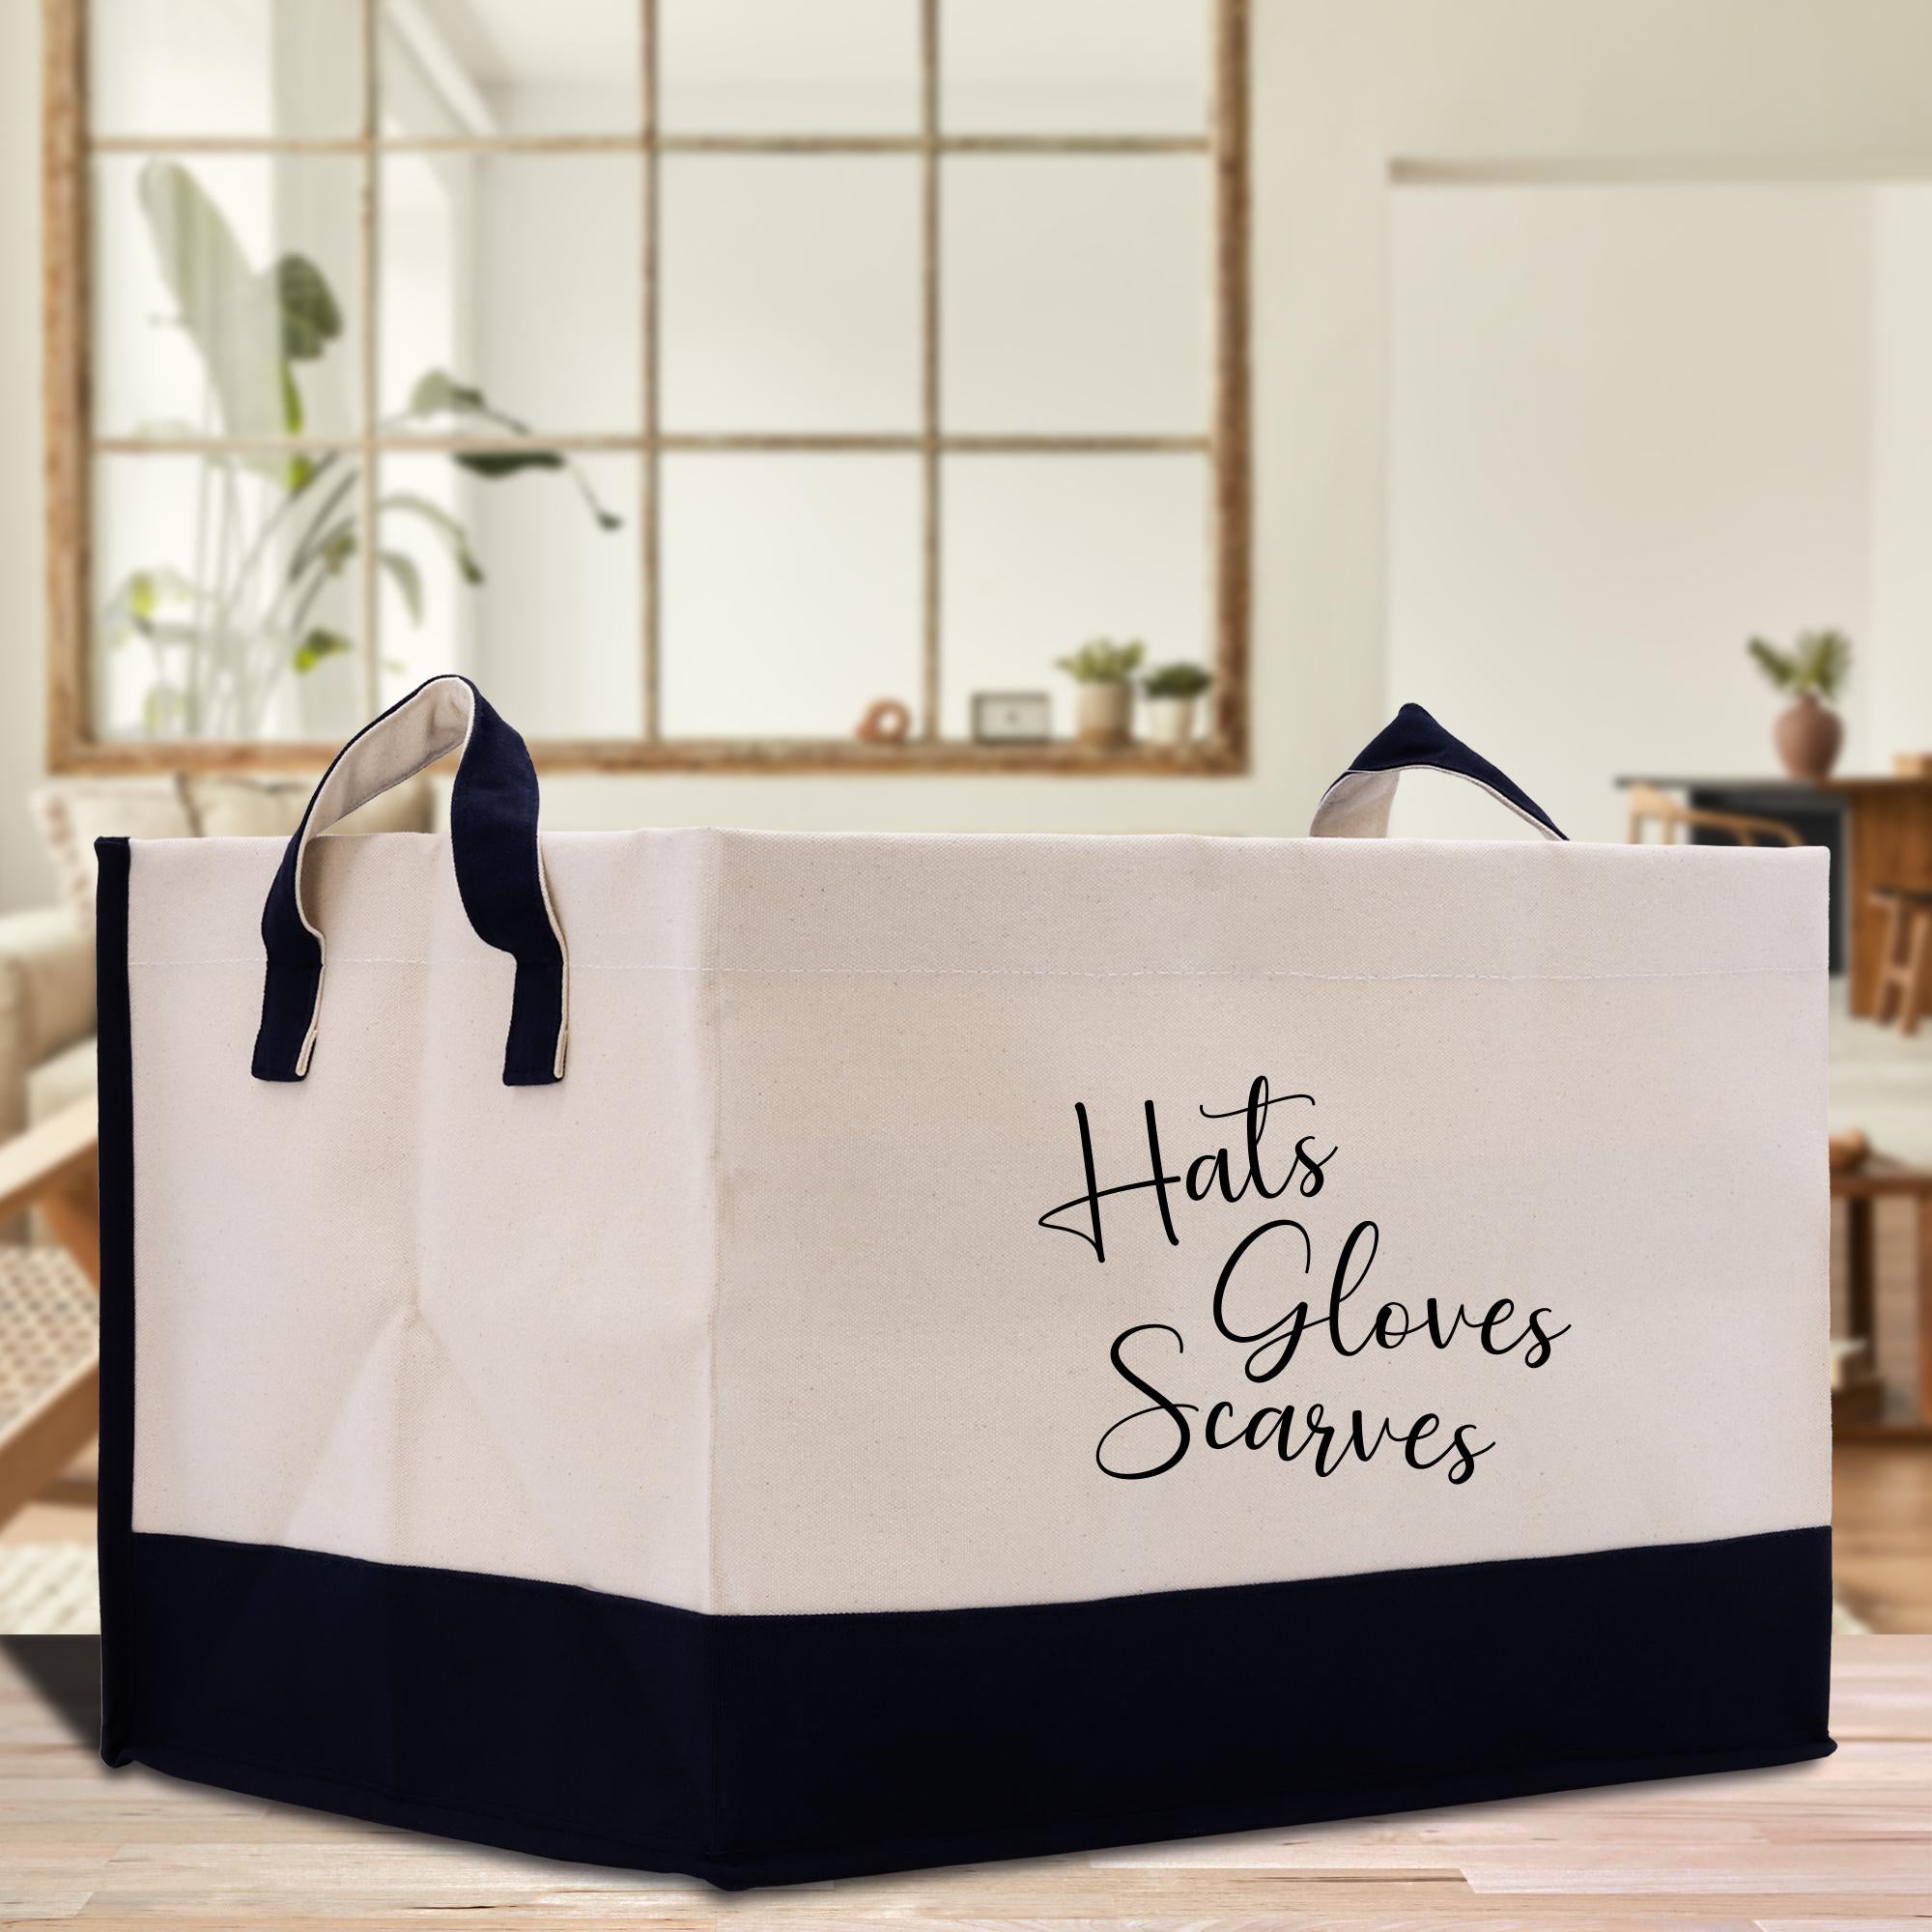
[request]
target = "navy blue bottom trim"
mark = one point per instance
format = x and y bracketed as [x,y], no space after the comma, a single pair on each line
[753,1751]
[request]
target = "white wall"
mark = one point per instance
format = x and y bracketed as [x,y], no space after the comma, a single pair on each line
[1642,88]
[1630,426]
[1897,690]
[1342,91]
[25,878]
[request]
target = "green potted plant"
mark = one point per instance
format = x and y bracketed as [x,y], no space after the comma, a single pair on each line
[1172,692]
[1808,733]
[276,534]
[1104,707]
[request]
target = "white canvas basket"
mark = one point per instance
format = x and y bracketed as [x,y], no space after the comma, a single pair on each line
[924,1348]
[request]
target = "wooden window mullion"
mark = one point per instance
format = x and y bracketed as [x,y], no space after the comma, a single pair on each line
[930,559]
[650,478]
[368,259]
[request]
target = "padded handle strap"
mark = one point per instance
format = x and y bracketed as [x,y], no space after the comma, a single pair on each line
[1356,806]
[493,835]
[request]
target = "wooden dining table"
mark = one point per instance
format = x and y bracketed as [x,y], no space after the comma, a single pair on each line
[1878,827]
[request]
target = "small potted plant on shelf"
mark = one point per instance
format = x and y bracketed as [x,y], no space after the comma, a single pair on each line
[1172,692]
[1105,708]
[1808,733]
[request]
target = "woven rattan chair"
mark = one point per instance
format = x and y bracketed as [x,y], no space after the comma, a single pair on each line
[49,1310]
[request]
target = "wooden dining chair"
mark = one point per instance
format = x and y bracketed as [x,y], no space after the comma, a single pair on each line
[1651,806]
[1905,972]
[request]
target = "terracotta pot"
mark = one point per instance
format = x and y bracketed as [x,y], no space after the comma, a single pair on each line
[1103,712]
[1808,736]
[1170,720]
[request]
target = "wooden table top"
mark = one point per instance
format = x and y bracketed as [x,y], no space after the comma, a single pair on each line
[1844,1841]
[1878,1174]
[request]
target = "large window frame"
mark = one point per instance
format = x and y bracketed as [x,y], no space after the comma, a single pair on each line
[72,445]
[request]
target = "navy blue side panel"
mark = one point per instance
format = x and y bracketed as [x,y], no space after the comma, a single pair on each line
[116,1488]
[493,835]
[1414,738]
[773,1750]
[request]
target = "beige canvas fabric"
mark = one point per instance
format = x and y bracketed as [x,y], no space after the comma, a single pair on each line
[227,806]
[754,1312]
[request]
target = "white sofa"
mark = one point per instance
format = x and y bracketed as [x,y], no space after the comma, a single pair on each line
[47,955]
[46,1015]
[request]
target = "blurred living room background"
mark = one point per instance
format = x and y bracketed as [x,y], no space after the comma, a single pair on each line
[970,416]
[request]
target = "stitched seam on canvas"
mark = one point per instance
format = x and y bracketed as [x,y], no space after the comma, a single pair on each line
[1047,972]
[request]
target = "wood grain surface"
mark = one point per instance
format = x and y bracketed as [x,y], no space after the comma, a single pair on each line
[1846,1842]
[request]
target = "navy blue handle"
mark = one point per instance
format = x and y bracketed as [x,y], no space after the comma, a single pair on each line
[492,835]
[1356,806]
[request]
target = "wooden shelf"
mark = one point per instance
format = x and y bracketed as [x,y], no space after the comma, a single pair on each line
[1216,758]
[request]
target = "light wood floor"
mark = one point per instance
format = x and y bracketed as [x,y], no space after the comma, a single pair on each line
[1846,1842]
[1882,1533]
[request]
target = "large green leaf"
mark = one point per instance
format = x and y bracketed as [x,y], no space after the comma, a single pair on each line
[147,590]
[247,327]
[495,463]
[318,645]
[234,331]
[137,603]
[310,317]
[408,503]
[439,393]
[406,576]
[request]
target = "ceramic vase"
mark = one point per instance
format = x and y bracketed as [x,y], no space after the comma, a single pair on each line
[1808,736]
[1170,720]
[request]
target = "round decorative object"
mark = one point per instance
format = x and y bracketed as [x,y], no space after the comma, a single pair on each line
[1849,1150]
[887,721]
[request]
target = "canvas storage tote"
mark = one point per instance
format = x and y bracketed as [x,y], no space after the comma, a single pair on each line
[775,1356]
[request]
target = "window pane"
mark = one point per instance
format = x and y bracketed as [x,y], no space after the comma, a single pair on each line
[790,291]
[1077,294]
[528,583]
[792,593]
[761,66]
[1076,66]
[1042,553]
[227,295]
[508,66]
[512,283]
[227,598]
[223,67]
